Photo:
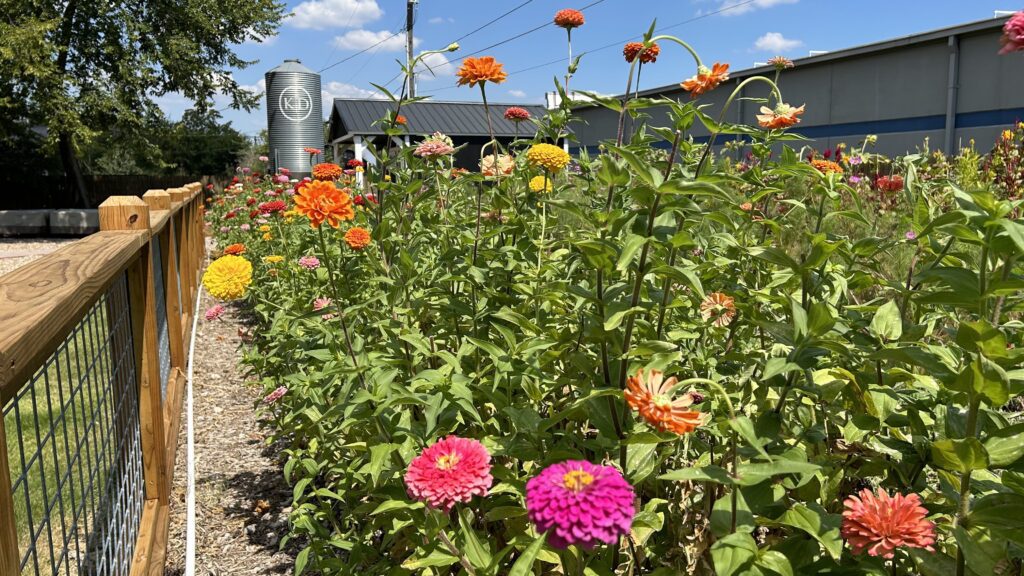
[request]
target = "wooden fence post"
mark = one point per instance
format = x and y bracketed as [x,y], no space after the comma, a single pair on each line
[132,213]
[159,200]
[10,556]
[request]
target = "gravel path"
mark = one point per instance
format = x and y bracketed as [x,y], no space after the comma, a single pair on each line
[242,502]
[16,252]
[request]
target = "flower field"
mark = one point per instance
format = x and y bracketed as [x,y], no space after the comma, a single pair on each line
[657,360]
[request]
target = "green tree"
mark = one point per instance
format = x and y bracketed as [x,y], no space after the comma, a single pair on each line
[200,145]
[79,67]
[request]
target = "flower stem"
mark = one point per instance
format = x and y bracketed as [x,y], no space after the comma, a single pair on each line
[337,302]
[965,481]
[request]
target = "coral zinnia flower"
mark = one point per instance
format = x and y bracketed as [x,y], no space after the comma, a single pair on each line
[516,114]
[214,312]
[569,19]
[357,238]
[401,120]
[547,156]
[327,171]
[647,55]
[783,116]
[651,397]
[320,304]
[706,80]
[436,145]
[826,166]
[227,277]
[450,471]
[491,166]
[479,70]
[540,184]
[323,202]
[879,523]
[718,308]
[780,62]
[311,150]
[235,249]
[580,503]
[1013,34]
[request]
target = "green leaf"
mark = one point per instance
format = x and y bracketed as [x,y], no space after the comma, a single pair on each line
[820,525]
[775,256]
[959,455]
[751,473]
[630,247]
[775,561]
[524,564]
[709,473]
[1005,446]
[1002,515]
[477,552]
[721,515]
[733,554]
[641,461]
[435,558]
[745,428]
[301,560]
[887,325]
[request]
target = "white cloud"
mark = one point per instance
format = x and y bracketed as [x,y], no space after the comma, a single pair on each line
[321,14]
[776,42]
[383,40]
[434,65]
[258,88]
[517,93]
[333,90]
[440,20]
[265,41]
[737,7]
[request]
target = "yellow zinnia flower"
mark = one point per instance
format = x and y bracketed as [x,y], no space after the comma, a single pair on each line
[268,236]
[547,156]
[265,228]
[227,277]
[1007,135]
[540,184]
[273,259]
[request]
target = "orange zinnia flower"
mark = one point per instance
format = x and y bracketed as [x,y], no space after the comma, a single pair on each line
[706,80]
[651,397]
[357,238]
[633,49]
[826,166]
[327,171]
[235,249]
[479,70]
[718,308]
[783,116]
[569,19]
[323,202]
[400,120]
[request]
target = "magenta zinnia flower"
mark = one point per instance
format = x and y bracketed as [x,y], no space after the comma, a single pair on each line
[309,262]
[214,312]
[1013,34]
[275,395]
[452,470]
[580,503]
[880,523]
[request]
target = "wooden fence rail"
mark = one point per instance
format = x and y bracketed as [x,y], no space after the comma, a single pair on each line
[42,306]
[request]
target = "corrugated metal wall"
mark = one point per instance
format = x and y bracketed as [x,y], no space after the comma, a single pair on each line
[899,93]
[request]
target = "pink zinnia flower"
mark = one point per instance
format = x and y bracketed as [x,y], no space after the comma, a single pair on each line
[437,145]
[450,471]
[1013,34]
[309,262]
[580,503]
[224,229]
[245,227]
[880,523]
[264,159]
[911,235]
[281,179]
[214,312]
[275,395]
[516,114]
[320,304]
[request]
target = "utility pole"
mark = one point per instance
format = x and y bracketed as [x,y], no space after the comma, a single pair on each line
[410,9]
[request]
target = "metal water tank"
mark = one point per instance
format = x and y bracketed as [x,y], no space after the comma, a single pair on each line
[295,118]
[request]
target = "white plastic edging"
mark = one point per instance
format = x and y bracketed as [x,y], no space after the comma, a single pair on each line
[190,491]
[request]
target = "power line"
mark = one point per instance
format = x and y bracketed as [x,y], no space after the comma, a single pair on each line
[618,43]
[363,51]
[474,31]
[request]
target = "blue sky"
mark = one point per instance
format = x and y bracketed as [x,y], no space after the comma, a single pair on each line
[741,32]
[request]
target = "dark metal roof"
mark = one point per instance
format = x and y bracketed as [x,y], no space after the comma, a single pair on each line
[352,116]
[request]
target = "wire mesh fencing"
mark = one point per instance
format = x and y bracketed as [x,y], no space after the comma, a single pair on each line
[74,448]
[163,335]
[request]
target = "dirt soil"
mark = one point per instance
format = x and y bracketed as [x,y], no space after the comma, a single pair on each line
[242,501]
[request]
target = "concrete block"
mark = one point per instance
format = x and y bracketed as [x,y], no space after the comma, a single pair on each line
[24,222]
[74,222]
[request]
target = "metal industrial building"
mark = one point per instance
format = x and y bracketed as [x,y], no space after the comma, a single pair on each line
[948,85]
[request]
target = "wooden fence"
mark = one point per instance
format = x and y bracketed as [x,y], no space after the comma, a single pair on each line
[64,504]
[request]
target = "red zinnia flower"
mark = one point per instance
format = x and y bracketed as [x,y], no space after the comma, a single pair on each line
[273,206]
[879,523]
[354,163]
[569,19]
[452,470]
[250,201]
[633,49]
[516,114]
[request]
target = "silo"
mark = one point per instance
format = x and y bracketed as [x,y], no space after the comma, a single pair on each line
[294,116]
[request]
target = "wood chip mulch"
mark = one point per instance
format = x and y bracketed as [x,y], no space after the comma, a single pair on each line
[242,501]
